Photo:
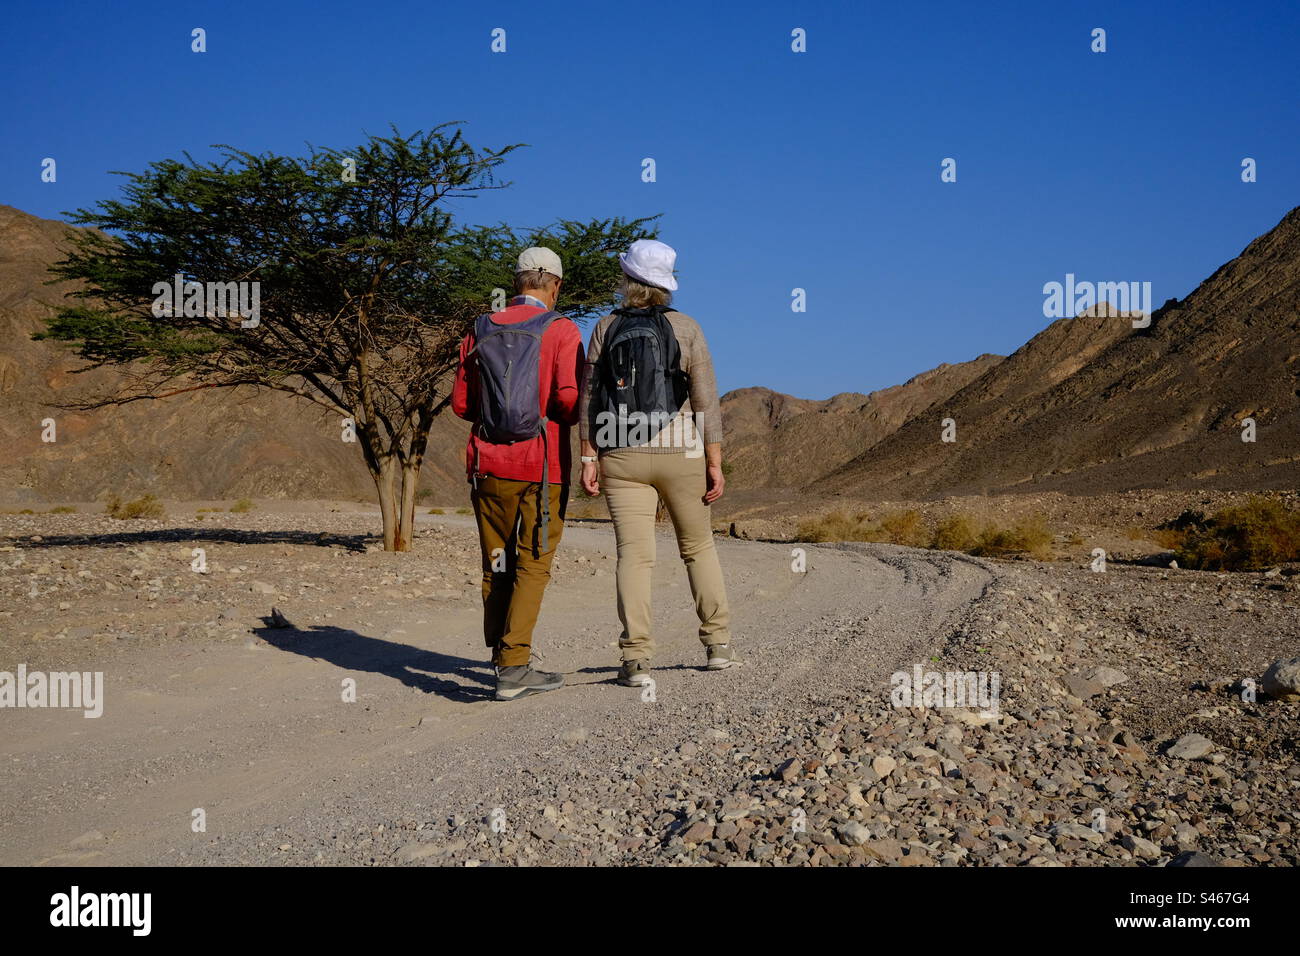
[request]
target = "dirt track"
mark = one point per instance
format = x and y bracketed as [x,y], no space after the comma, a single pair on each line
[248,722]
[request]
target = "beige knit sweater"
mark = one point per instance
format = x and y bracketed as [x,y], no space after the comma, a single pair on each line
[701,406]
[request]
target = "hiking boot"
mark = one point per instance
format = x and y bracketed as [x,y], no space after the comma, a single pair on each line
[520,681]
[634,673]
[719,657]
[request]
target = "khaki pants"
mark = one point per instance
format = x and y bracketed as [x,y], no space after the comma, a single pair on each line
[632,483]
[515,569]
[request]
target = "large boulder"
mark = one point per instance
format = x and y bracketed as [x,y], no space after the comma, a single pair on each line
[1282,679]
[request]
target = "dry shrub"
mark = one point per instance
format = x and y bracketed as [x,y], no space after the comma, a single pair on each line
[1168,539]
[1172,533]
[147,506]
[1027,536]
[1256,534]
[836,526]
[905,528]
[958,532]
[242,506]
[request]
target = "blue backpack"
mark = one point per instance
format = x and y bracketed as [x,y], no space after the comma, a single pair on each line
[509,359]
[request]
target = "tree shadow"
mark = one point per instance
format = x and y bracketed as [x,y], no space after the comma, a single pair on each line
[428,671]
[353,542]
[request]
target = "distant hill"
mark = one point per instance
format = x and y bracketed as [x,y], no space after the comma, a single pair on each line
[1091,404]
[775,441]
[212,444]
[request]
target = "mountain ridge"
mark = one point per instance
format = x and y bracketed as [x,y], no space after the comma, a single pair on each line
[1087,405]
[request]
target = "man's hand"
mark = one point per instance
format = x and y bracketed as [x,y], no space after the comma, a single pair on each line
[716,482]
[591,478]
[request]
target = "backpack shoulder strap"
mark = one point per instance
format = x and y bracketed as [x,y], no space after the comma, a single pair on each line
[483,327]
[670,336]
[545,319]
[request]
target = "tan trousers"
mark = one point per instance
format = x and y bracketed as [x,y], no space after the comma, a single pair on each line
[632,483]
[515,569]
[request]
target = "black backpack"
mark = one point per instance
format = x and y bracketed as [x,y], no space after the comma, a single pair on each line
[639,373]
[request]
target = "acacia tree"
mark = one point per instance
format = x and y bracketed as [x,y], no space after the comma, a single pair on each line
[367,284]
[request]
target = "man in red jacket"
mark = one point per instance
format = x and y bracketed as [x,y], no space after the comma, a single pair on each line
[507,479]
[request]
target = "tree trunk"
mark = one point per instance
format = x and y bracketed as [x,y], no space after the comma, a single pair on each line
[406,519]
[396,472]
[388,503]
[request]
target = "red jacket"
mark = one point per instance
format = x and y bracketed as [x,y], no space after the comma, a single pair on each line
[562,362]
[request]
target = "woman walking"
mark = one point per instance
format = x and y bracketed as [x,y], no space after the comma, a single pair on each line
[652,430]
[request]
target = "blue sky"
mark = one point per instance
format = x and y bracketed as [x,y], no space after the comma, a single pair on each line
[776,170]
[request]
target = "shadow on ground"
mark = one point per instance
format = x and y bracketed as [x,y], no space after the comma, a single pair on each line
[353,542]
[456,678]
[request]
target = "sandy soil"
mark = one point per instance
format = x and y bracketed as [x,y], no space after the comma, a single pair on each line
[208,708]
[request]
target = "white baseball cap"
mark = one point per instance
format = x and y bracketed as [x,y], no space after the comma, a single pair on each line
[650,261]
[540,259]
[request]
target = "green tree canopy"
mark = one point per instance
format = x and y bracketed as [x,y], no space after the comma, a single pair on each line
[365,283]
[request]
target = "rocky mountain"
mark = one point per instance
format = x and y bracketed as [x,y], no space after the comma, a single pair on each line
[208,445]
[1092,404]
[776,441]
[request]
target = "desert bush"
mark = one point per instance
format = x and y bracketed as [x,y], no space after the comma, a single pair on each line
[904,527]
[242,506]
[63,510]
[464,511]
[897,527]
[423,494]
[1247,537]
[147,506]
[1168,538]
[835,526]
[1027,536]
[1033,537]
[1187,521]
[437,511]
[957,532]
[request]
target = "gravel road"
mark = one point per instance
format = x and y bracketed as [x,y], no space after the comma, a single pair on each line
[252,728]
[1122,735]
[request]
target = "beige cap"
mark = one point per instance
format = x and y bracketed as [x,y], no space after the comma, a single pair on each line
[540,259]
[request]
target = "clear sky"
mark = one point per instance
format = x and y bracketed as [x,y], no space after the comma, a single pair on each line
[776,170]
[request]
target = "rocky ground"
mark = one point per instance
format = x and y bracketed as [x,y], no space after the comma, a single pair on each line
[1121,736]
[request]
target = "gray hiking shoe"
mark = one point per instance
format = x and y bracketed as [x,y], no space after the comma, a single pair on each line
[719,657]
[634,673]
[516,682]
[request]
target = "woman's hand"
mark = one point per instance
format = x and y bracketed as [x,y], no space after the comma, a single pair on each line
[715,483]
[591,478]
